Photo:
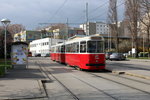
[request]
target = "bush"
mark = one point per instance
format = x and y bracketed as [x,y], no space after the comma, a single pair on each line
[2,70]
[143,54]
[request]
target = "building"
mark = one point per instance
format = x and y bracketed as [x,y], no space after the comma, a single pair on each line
[66,33]
[59,33]
[27,36]
[92,28]
[102,28]
[42,46]
[75,31]
[89,28]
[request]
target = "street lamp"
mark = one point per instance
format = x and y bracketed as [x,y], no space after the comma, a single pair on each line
[5,23]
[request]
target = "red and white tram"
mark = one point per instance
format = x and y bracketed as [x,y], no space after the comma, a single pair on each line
[84,53]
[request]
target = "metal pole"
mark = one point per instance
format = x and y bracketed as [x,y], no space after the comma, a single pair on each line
[87,31]
[5,49]
[143,47]
[5,22]
[67,30]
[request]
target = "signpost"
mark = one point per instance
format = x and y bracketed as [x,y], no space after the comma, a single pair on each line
[133,52]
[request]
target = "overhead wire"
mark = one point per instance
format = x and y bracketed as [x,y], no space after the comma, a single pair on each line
[61,6]
[102,14]
[93,18]
[93,10]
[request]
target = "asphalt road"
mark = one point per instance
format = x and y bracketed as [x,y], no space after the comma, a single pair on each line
[137,64]
[67,83]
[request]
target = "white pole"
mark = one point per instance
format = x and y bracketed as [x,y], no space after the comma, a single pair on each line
[5,49]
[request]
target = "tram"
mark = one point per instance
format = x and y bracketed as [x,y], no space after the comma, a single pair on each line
[81,52]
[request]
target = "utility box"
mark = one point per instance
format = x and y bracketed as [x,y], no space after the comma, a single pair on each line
[19,55]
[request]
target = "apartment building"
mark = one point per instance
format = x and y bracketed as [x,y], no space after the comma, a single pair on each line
[92,28]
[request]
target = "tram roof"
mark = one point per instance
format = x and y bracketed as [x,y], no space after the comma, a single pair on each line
[84,37]
[78,38]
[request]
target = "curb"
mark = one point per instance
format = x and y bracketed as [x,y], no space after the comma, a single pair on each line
[141,60]
[131,74]
[138,75]
[43,92]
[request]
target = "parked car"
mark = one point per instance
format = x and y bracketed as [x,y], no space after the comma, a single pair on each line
[29,54]
[117,56]
[107,55]
[47,55]
[37,55]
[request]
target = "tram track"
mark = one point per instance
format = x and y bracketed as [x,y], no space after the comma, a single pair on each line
[120,82]
[121,77]
[90,86]
[132,79]
[105,78]
[47,73]
[117,81]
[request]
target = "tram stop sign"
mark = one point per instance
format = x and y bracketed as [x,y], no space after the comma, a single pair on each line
[19,52]
[133,50]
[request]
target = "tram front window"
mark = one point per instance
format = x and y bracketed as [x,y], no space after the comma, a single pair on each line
[95,46]
[91,46]
[100,47]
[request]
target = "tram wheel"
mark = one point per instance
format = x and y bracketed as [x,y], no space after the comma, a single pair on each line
[68,65]
[78,68]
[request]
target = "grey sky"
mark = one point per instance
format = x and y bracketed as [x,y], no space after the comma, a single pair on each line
[31,12]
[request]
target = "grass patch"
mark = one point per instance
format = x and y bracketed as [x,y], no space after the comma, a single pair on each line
[3,66]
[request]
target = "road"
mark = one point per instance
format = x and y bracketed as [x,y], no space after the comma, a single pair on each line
[136,64]
[67,83]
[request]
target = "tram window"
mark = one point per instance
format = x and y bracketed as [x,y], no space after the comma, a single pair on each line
[91,46]
[67,48]
[77,47]
[63,49]
[59,49]
[56,49]
[83,47]
[73,47]
[100,47]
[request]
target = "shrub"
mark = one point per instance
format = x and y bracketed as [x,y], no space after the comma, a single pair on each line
[2,70]
[143,54]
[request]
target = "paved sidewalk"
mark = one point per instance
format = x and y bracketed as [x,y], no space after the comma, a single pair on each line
[22,84]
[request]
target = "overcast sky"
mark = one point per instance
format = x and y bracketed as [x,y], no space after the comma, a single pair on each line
[32,12]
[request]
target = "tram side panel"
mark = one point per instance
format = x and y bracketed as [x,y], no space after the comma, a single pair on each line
[62,58]
[57,56]
[52,56]
[72,59]
[86,61]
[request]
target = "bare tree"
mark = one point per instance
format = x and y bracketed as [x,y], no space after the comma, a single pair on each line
[145,21]
[11,30]
[113,21]
[15,28]
[132,13]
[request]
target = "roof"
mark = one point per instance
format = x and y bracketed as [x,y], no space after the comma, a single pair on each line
[19,42]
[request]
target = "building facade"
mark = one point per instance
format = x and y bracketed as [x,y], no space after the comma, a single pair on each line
[27,36]
[42,46]
[92,28]
[102,28]
[89,28]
